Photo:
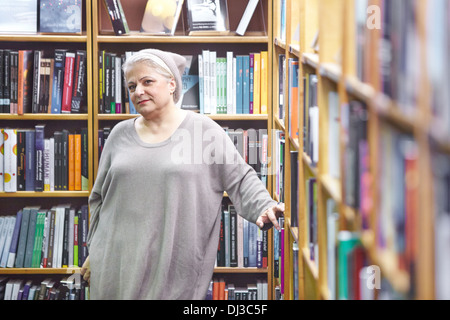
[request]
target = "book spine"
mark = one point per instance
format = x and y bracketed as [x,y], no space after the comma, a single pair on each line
[46,161]
[117,17]
[30,238]
[264,88]
[10,160]
[246,17]
[58,80]
[66,103]
[7,81]
[19,261]
[84,160]
[77,162]
[14,240]
[39,160]
[64,160]
[36,80]
[80,85]
[71,162]
[21,152]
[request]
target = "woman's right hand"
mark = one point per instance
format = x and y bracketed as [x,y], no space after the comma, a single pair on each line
[86,270]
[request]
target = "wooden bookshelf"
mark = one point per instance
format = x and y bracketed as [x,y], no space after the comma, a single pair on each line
[11,202]
[258,38]
[335,63]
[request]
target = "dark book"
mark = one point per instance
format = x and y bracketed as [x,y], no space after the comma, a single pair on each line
[107,82]
[36,80]
[58,160]
[60,16]
[6,81]
[233,236]
[79,95]
[101,82]
[207,17]
[83,232]
[30,160]
[21,163]
[51,239]
[112,82]
[294,188]
[30,238]
[14,74]
[20,256]
[39,160]
[117,17]
[65,248]
[2,79]
[65,160]
[58,80]
[14,240]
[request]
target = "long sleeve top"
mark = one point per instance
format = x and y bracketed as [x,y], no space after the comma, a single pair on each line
[156,210]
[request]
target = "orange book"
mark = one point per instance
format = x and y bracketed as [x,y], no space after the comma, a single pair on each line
[77,138]
[215,289]
[24,81]
[221,289]
[71,169]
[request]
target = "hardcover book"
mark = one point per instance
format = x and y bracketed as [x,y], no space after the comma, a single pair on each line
[60,16]
[18,16]
[207,17]
[117,17]
[161,16]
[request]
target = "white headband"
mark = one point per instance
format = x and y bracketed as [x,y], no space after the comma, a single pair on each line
[161,63]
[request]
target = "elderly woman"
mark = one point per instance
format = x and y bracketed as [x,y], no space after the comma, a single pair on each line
[156,202]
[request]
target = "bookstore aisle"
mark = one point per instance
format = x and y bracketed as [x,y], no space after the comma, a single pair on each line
[342,107]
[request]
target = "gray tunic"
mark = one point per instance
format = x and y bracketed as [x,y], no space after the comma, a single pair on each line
[156,210]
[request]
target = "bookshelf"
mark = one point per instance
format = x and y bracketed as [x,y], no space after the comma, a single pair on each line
[384,211]
[12,202]
[257,38]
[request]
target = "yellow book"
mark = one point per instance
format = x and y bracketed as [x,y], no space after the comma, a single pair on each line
[256,83]
[264,85]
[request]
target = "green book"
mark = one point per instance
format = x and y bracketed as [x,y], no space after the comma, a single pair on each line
[347,241]
[75,240]
[38,238]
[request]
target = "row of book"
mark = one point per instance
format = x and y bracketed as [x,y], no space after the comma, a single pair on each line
[234,84]
[219,289]
[241,244]
[44,238]
[66,288]
[38,81]
[31,162]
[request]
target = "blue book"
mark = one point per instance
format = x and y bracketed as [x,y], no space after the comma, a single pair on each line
[20,257]
[252,245]
[30,156]
[58,80]
[14,241]
[30,237]
[246,85]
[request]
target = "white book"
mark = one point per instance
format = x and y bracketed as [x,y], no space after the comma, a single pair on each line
[246,17]
[206,82]
[47,167]
[9,232]
[213,81]
[10,160]
[314,122]
[118,82]
[230,91]
[201,90]
[60,239]
[32,292]
[234,87]
[240,241]
[71,235]
[9,289]
[45,237]
[333,134]
[55,238]
[17,285]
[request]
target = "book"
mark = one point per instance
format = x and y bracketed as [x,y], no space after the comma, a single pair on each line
[18,16]
[39,159]
[30,156]
[66,103]
[25,81]
[207,17]
[161,16]
[58,80]
[10,160]
[117,17]
[246,17]
[15,240]
[79,94]
[60,16]
[190,79]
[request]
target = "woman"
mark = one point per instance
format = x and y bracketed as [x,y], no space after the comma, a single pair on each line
[156,202]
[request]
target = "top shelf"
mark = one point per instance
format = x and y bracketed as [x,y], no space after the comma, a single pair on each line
[139,37]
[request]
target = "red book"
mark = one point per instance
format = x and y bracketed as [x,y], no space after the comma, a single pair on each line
[66,104]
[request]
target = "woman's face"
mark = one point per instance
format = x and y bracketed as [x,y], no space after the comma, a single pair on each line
[149,90]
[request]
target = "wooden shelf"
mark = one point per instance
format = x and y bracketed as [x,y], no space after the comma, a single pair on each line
[216,117]
[44,116]
[43,38]
[45,194]
[136,37]
[239,270]
[71,270]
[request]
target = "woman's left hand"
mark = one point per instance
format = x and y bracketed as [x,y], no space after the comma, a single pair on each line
[270,217]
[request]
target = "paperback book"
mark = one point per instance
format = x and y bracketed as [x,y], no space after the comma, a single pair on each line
[207,17]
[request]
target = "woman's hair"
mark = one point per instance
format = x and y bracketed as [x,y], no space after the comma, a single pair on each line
[168,64]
